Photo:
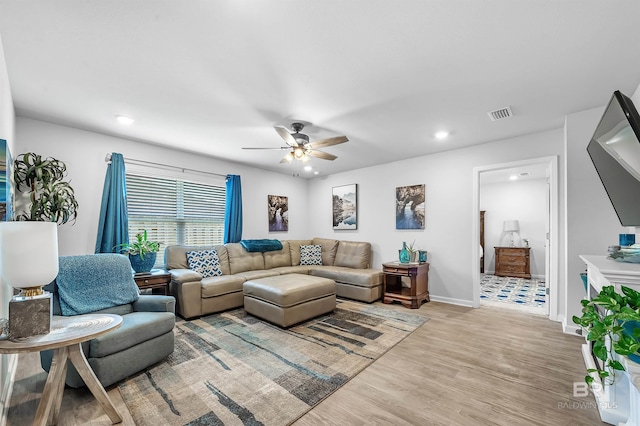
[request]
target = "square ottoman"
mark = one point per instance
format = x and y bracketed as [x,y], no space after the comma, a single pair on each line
[289,299]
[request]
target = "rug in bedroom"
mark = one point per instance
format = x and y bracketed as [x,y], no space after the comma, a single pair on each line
[232,368]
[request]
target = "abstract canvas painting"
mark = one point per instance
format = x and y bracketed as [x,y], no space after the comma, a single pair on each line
[345,200]
[6,210]
[278,206]
[410,207]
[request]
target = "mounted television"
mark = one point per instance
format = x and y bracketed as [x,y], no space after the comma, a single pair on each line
[615,152]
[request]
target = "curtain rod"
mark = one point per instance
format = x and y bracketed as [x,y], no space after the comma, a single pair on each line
[107,159]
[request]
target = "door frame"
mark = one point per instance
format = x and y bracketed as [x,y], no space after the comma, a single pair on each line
[554,236]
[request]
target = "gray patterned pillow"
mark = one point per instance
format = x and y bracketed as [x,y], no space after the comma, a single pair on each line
[311,254]
[205,262]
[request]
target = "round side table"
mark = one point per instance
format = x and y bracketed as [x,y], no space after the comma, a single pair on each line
[65,339]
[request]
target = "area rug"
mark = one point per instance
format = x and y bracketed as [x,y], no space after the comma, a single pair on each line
[234,369]
[526,295]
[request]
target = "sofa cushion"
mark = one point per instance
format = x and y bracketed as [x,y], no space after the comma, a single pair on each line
[275,259]
[262,273]
[175,257]
[223,284]
[137,327]
[300,269]
[311,255]
[294,250]
[205,262]
[241,260]
[357,277]
[329,249]
[353,254]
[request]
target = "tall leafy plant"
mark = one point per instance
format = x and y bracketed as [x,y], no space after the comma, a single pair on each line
[51,198]
[607,330]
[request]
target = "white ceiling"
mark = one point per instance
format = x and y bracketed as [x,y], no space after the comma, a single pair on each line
[214,76]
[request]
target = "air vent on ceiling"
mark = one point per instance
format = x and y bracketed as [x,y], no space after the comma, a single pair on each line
[501,113]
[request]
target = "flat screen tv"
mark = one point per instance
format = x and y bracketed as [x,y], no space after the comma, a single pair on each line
[615,152]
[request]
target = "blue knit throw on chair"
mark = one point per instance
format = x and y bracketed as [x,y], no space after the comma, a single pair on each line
[92,282]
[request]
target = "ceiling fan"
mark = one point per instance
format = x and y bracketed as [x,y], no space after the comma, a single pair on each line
[300,147]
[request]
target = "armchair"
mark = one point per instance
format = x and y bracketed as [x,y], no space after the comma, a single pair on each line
[103,283]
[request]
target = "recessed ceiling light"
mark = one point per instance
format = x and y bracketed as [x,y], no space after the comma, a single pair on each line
[316,172]
[513,177]
[308,168]
[443,134]
[123,119]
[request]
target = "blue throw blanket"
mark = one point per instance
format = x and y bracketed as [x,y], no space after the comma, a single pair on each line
[92,282]
[261,245]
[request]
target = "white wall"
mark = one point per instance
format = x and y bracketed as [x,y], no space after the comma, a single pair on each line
[591,221]
[524,200]
[448,177]
[7,132]
[84,153]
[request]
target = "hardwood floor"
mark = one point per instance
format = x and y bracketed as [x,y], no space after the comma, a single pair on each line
[463,367]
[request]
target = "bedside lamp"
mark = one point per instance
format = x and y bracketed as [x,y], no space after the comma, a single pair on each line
[511,227]
[29,261]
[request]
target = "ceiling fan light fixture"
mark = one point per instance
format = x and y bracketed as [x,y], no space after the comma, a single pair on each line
[289,157]
[298,153]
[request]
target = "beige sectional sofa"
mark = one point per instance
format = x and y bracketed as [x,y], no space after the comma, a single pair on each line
[348,263]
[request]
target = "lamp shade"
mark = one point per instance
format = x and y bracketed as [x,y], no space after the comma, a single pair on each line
[511,226]
[28,253]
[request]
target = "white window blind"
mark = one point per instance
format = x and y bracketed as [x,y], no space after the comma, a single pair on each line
[175,211]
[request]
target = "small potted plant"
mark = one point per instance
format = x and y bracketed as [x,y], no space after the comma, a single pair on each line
[142,252]
[616,331]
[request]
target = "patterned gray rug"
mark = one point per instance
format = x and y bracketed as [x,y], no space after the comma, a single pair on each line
[234,369]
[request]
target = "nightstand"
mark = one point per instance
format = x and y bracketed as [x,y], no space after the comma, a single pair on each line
[156,279]
[513,262]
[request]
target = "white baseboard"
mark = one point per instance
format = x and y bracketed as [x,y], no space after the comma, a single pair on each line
[8,365]
[451,301]
[573,329]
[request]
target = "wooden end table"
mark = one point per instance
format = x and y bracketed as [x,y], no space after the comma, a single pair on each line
[65,338]
[418,277]
[156,279]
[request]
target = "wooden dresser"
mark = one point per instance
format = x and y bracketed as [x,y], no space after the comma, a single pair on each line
[512,262]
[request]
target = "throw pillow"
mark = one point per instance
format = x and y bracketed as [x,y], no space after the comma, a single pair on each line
[205,262]
[311,255]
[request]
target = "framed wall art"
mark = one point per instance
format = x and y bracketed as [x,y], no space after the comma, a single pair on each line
[278,208]
[345,200]
[6,206]
[410,202]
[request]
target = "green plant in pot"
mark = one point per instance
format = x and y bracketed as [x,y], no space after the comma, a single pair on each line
[142,252]
[50,197]
[616,331]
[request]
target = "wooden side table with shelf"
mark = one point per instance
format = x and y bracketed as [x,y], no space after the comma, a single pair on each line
[513,262]
[418,277]
[157,279]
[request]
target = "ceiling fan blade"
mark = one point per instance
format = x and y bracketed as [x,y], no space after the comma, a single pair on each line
[287,158]
[328,142]
[286,135]
[279,149]
[322,155]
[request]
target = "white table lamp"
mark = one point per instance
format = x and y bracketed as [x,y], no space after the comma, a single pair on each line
[511,227]
[29,261]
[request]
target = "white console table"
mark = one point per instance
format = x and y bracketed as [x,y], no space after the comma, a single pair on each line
[619,404]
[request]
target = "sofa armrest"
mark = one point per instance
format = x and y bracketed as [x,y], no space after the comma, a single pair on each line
[184,275]
[155,303]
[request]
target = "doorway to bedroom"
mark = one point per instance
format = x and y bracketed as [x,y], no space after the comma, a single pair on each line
[515,210]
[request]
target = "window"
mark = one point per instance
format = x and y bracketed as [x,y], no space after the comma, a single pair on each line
[175,211]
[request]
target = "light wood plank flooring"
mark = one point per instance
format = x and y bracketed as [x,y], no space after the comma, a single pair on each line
[463,367]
